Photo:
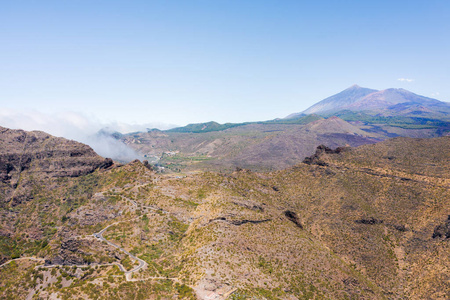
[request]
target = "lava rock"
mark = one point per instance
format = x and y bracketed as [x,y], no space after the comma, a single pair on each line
[369,221]
[292,216]
[442,230]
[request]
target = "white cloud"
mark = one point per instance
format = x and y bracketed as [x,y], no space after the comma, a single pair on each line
[77,127]
[435,94]
[127,128]
[405,79]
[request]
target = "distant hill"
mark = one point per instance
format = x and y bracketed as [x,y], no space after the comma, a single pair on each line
[335,125]
[267,145]
[205,127]
[214,126]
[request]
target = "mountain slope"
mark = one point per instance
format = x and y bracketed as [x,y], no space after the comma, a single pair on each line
[337,102]
[275,145]
[391,98]
[257,146]
[368,222]
[389,102]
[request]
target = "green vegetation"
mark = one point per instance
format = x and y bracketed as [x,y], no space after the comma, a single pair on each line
[14,248]
[206,127]
[395,121]
[213,126]
[302,120]
[185,292]
[127,263]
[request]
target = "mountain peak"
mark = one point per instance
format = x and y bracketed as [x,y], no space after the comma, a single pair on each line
[342,99]
[356,98]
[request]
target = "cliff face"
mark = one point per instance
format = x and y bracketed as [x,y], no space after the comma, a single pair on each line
[39,152]
[40,155]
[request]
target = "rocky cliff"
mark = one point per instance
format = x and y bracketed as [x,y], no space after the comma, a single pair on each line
[41,155]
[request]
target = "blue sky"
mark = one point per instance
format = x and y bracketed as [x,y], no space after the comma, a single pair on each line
[182,62]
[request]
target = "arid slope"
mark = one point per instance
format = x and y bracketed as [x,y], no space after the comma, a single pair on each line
[359,223]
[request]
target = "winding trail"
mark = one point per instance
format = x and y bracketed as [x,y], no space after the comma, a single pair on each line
[22,258]
[99,235]
[128,274]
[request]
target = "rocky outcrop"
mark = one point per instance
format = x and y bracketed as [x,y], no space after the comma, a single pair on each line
[82,252]
[369,221]
[442,230]
[44,155]
[401,228]
[92,215]
[315,159]
[239,222]
[70,254]
[292,216]
[148,165]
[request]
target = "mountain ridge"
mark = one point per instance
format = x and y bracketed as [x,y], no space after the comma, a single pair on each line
[359,99]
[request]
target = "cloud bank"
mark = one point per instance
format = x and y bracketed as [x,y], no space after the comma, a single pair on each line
[78,127]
